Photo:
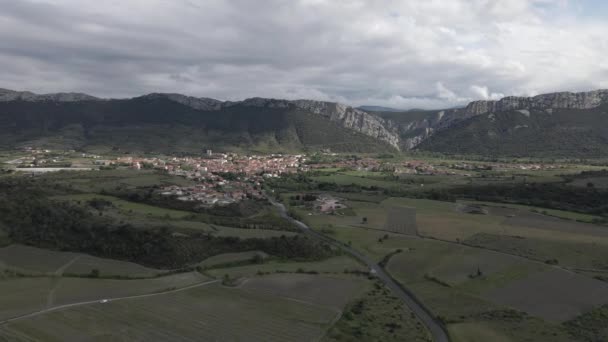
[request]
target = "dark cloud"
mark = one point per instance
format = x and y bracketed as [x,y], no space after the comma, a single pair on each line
[403,54]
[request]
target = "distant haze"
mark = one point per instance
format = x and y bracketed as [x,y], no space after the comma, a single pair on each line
[397,54]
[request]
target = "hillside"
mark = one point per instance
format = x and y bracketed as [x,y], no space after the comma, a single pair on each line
[558,132]
[557,124]
[176,123]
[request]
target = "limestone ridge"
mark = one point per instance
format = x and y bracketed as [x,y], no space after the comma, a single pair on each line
[11,95]
[347,116]
[403,135]
[585,100]
[419,131]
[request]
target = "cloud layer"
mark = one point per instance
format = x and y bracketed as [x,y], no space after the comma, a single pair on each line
[425,54]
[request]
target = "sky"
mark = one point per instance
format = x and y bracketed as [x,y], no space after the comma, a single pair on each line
[395,53]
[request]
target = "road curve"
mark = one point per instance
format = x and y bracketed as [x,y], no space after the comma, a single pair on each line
[436,329]
[107,300]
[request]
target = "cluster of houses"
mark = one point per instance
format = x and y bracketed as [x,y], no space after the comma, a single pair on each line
[210,195]
[221,178]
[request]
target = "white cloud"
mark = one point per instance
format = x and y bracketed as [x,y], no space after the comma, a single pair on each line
[406,53]
[483,93]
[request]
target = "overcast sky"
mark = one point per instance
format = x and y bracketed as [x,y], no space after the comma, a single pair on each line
[400,53]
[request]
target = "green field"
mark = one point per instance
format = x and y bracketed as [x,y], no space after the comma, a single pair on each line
[25,295]
[211,312]
[453,279]
[109,180]
[551,212]
[37,261]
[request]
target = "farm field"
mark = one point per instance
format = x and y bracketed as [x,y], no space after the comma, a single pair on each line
[34,260]
[454,279]
[487,271]
[107,180]
[555,295]
[335,292]
[210,312]
[550,212]
[24,295]
[571,254]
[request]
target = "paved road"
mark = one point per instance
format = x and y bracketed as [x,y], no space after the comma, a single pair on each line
[106,300]
[436,329]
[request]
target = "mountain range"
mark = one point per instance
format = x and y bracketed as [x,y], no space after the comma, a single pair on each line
[556,124]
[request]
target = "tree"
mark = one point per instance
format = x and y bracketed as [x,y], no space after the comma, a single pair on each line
[364,220]
[94,273]
[257,259]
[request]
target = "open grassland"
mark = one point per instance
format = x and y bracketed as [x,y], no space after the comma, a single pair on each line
[205,313]
[32,260]
[25,295]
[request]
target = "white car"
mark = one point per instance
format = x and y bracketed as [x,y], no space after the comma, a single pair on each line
[103,301]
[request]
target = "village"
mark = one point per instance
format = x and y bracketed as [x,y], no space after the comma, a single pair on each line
[224,178]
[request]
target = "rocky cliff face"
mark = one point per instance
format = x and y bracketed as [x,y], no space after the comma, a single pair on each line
[200,103]
[586,100]
[354,119]
[421,130]
[346,116]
